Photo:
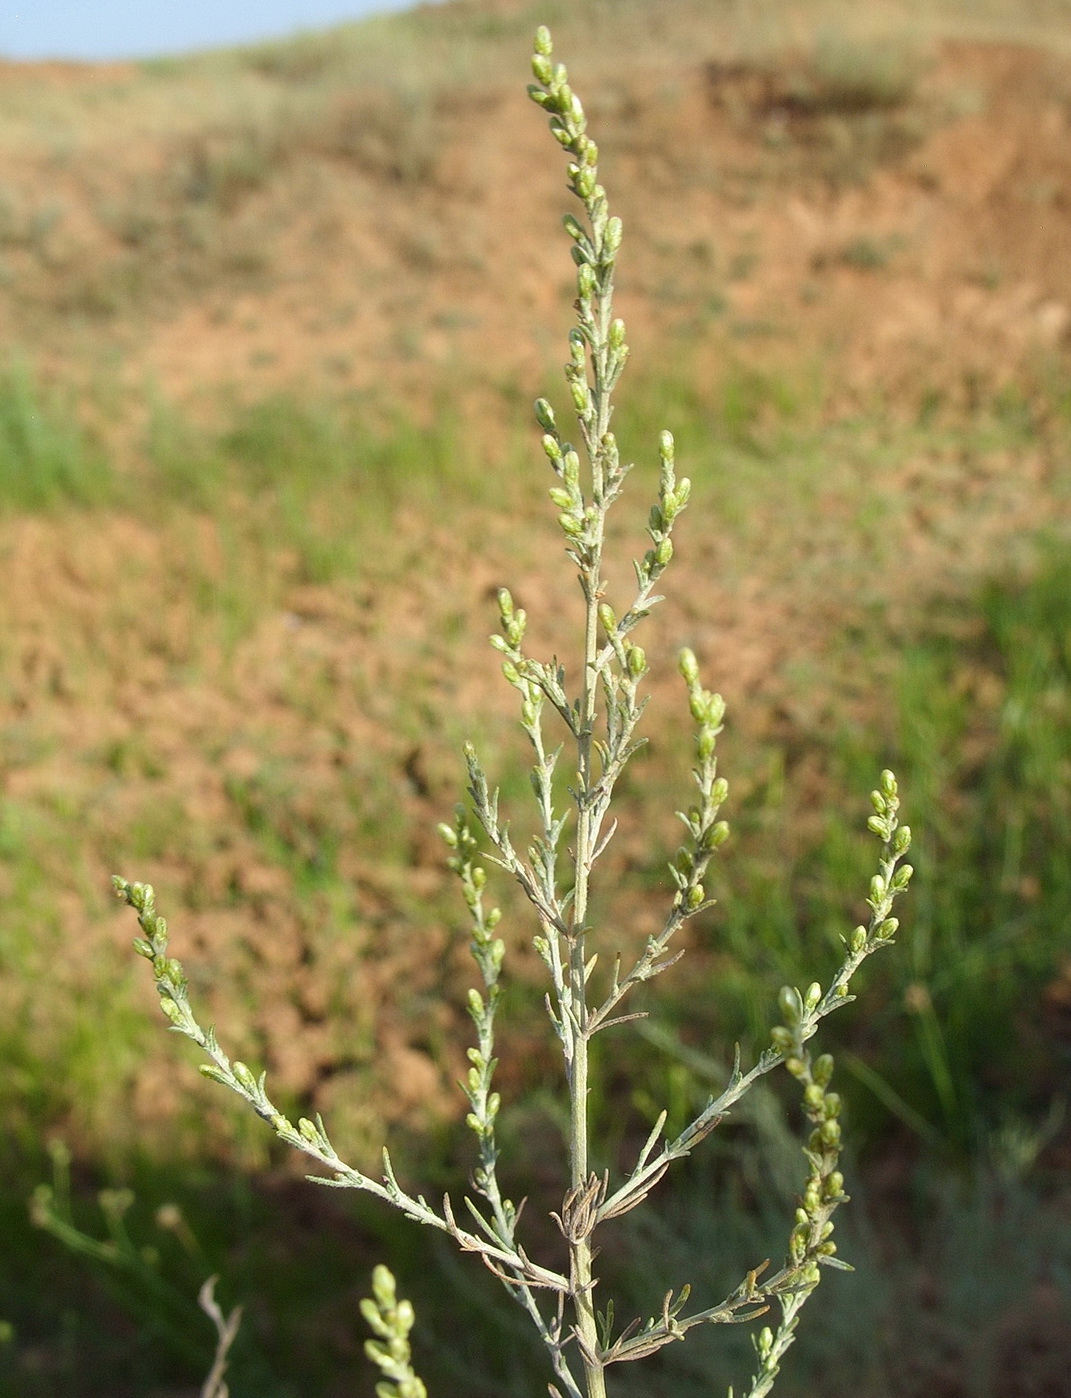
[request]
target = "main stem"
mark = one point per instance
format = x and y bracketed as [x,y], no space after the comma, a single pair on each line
[580,1249]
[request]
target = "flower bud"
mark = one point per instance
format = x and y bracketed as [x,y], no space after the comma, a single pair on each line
[544,414]
[902,840]
[244,1076]
[902,877]
[790,1004]
[688,666]
[542,68]
[173,1011]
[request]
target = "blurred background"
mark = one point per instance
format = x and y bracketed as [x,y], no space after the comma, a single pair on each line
[272,319]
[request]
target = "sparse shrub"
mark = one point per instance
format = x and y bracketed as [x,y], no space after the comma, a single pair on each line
[847,75]
[597,710]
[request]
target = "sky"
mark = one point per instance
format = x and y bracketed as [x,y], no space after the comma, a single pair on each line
[103,29]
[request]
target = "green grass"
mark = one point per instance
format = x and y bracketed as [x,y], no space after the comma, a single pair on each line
[46,458]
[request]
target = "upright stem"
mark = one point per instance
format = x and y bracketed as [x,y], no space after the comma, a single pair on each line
[580,1248]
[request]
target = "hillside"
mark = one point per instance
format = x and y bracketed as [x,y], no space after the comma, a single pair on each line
[890,195]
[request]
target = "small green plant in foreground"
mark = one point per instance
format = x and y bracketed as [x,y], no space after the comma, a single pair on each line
[597,708]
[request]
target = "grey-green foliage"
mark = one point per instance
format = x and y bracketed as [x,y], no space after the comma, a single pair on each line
[596,712]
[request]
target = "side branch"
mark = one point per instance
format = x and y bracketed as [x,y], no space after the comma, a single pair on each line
[307,1136]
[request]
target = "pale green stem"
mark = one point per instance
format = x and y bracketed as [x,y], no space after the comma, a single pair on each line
[580,1249]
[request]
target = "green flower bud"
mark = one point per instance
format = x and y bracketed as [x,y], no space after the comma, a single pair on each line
[696,894]
[902,877]
[243,1076]
[858,940]
[543,46]
[173,1011]
[448,834]
[544,414]
[781,1038]
[542,68]
[664,552]
[813,1095]
[822,1071]
[790,1004]
[813,996]
[888,784]
[688,666]
[143,948]
[584,182]
[637,662]
[829,1133]
[719,834]
[902,841]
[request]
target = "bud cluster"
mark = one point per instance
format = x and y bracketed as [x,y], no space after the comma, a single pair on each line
[171,982]
[391,1320]
[672,499]
[811,1240]
[706,831]
[488,952]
